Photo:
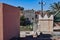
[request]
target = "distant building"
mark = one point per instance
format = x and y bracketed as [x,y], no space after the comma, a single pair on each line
[30,14]
[9,21]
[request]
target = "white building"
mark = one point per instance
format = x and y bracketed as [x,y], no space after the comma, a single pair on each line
[30,14]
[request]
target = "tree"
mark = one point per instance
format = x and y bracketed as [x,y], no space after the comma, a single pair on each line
[21,8]
[49,12]
[22,19]
[55,7]
[56,10]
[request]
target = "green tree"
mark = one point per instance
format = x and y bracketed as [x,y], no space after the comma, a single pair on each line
[22,19]
[55,7]
[21,8]
[49,12]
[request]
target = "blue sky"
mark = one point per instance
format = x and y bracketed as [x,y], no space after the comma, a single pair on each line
[29,4]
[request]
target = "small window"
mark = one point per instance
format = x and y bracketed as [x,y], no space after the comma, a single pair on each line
[27,18]
[36,16]
[32,18]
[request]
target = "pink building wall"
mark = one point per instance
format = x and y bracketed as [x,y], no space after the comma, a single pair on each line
[1,22]
[10,21]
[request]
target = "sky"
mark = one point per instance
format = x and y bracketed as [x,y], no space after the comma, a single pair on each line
[30,4]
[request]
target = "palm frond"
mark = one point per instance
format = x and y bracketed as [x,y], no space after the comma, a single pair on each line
[55,6]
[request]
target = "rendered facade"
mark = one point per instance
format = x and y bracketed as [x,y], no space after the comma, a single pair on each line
[30,14]
[45,24]
[9,21]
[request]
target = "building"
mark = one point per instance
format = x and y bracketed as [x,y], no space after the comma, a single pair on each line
[9,21]
[30,14]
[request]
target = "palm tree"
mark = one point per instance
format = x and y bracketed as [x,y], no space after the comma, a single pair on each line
[56,11]
[55,8]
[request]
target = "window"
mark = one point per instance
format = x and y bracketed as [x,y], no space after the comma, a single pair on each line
[32,18]
[36,16]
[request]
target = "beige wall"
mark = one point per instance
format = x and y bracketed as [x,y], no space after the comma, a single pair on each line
[46,26]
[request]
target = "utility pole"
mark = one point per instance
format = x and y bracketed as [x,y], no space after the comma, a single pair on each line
[41,7]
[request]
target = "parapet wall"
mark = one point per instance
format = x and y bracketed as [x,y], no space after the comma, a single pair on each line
[45,17]
[45,24]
